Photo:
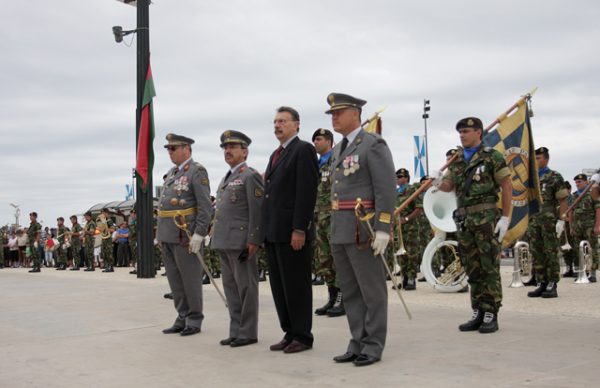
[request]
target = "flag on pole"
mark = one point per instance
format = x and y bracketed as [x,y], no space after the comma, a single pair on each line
[419,156]
[145,151]
[374,124]
[513,139]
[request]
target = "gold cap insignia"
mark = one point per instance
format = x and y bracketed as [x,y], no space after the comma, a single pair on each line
[470,122]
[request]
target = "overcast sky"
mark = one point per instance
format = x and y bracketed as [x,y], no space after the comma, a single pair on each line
[67,94]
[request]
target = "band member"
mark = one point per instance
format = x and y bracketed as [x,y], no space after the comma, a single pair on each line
[184,209]
[323,261]
[545,227]
[408,221]
[236,237]
[291,181]
[585,216]
[88,241]
[61,251]
[107,226]
[477,175]
[362,167]
[33,235]
[76,230]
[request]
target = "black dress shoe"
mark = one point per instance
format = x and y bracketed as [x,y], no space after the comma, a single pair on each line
[296,347]
[280,345]
[242,342]
[346,357]
[227,341]
[189,330]
[168,295]
[364,360]
[173,330]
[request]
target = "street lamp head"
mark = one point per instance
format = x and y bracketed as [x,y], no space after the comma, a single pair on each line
[118,33]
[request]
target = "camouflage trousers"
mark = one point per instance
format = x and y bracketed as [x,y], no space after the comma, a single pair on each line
[480,252]
[212,260]
[544,246]
[134,251]
[106,252]
[571,256]
[582,231]
[262,258]
[322,258]
[89,252]
[61,255]
[76,252]
[410,262]
[35,254]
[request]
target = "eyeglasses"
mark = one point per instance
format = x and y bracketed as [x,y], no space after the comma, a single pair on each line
[172,148]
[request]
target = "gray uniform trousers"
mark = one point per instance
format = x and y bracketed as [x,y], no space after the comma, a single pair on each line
[240,283]
[362,280]
[184,273]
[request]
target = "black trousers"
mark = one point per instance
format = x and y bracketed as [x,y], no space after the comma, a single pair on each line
[290,278]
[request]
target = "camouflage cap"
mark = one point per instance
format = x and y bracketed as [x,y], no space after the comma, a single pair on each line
[326,133]
[177,140]
[342,101]
[402,173]
[234,137]
[581,177]
[469,122]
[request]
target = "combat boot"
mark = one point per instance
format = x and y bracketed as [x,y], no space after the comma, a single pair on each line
[333,291]
[318,281]
[538,291]
[338,308]
[262,276]
[88,269]
[410,285]
[216,274]
[550,291]
[489,324]
[74,268]
[474,323]
[592,277]
[205,279]
[531,282]
[35,269]
[62,267]
[569,272]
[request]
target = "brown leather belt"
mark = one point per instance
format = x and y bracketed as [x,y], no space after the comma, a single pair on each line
[351,204]
[463,211]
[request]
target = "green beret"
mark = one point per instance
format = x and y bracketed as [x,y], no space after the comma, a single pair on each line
[469,122]
[326,133]
[581,177]
[177,140]
[402,173]
[234,137]
[342,101]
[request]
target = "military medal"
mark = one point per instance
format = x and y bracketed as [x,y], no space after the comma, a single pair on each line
[173,201]
[182,202]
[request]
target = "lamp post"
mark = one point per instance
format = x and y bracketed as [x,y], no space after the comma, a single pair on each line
[426,109]
[144,200]
[17,214]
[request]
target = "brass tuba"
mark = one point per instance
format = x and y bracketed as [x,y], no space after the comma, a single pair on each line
[102,228]
[585,262]
[522,264]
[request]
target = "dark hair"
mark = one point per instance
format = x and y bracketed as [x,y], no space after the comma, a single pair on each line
[60,219]
[88,213]
[293,112]
[73,216]
[33,214]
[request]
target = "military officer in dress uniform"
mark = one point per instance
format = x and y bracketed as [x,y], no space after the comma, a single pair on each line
[236,237]
[477,175]
[362,167]
[184,210]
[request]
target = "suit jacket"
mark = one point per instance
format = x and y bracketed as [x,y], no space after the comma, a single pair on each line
[182,189]
[364,170]
[290,193]
[237,215]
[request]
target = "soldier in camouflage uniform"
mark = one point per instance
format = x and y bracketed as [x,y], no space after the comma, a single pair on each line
[132,224]
[263,266]
[33,235]
[322,259]
[408,221]
[545,227]
[425,230]
[89,232]
[76,231]
[477,175]
[569,256]
[61,250]
[584,217]
[106,251]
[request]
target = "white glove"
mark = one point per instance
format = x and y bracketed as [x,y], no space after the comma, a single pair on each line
[380,242]
[207,240]
[196,243]
[36,245]
[596,178]
[560,227]
[502,227]
[437,176]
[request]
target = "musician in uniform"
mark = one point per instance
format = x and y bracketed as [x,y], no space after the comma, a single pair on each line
[569,255]
[362,167]
[236,237]
[477,175]
[184,213]
[76,230]
[545,227]
[61,250]
[106,251]
[89,232]
[323,261]
[409,223]
[585,216]
[33,235]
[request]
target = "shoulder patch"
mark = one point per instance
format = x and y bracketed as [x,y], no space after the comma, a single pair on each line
[204,181]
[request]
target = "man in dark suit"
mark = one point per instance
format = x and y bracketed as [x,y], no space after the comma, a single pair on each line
[291,180]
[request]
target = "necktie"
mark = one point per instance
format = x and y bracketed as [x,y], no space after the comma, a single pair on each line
[344,144]
[276,156]
[227,175]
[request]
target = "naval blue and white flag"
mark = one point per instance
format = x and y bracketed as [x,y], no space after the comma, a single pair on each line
[420,158]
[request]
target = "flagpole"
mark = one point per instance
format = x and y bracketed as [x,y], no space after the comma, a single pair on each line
[144,202]
[523,98]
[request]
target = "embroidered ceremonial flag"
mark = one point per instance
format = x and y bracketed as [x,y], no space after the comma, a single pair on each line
[145,151]
[513,138]
[419,170]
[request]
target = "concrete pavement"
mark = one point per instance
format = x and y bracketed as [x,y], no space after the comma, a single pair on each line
[76,329]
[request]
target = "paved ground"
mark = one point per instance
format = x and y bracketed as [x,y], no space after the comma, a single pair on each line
[80,329]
